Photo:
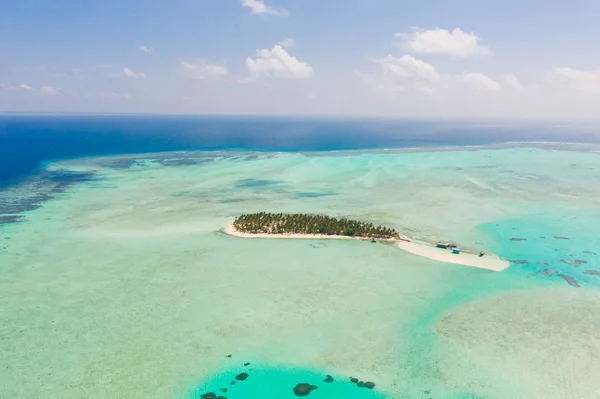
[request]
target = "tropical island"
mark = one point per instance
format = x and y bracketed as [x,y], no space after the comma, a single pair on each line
[318,227]
[308,224]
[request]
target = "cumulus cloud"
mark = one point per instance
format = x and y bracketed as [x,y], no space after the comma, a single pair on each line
[277,63]
[259,7]
[442,41]
[202,70]
[131,74]
[406,67]
[146,49]
[289,43]
[586,81]
[479,80]
[513,82]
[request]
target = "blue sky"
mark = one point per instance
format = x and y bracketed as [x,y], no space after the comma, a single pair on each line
[302,57]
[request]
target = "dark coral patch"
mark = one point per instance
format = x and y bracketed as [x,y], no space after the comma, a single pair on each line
[561,238]
[369,385]
[570,280]
[304,389]
[328,379]
[592,272]
[574,262]
[241,376]
[518,239]
[208,395]
[519,261]
[353,380]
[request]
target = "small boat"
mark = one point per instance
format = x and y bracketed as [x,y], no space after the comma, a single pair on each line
[373,239]
[443,245]
[481,254]
[456,250]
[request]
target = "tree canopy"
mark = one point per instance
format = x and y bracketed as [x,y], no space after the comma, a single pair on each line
[281,223]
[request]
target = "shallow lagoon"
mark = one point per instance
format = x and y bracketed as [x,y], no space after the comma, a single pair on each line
[122,285]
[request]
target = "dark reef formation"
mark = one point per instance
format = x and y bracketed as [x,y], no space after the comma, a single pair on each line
[574,262]
[304,389]
[592,272]
[570,280]
[33,192]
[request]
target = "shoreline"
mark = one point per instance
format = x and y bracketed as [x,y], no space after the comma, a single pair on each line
[488,262]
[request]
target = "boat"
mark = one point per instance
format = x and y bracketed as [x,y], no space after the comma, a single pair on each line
[443,245]
[456,250]
[373,239]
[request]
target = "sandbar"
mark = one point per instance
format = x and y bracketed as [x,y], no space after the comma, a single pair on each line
[488,261]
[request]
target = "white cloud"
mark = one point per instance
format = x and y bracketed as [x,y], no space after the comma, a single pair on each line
[276,62]
[259,7]
[49,90]
[479,80]
[442,41]
[289,43]
[407,67]
[513,82]
[146,49]
[587,81]
[26,87]
[202,70]
[135,75]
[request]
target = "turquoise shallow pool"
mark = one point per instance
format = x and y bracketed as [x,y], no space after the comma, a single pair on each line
[124,285]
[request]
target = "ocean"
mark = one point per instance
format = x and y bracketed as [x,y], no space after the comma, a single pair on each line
[117,280]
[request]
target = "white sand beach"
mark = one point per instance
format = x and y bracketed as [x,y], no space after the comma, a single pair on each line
[489,261]
[231,230]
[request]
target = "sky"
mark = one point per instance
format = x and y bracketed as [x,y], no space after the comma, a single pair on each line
[393,58]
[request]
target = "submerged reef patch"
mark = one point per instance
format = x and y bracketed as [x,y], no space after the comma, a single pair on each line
[31,193]
[284,382]
[257,183]
[570,280]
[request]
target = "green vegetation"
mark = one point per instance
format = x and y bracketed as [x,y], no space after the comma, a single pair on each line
[280,223]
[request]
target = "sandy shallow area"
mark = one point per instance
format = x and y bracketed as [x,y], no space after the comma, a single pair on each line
[489,261]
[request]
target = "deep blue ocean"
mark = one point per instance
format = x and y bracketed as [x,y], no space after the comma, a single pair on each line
[28,141]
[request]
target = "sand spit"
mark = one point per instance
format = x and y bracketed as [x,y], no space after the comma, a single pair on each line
[489,261]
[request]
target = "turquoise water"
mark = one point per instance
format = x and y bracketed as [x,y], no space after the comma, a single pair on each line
[124,286]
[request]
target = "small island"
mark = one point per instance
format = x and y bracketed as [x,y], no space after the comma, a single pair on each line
[318,227]
[307,224]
